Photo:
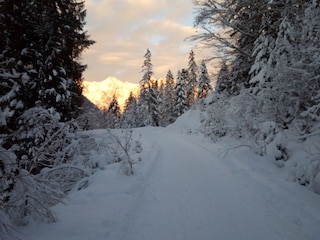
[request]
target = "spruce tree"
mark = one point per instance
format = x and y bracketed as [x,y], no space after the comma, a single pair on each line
[154,104]
[146,96]
[192,81]
[113,113]
[283,89]
[204,82]
[161,104]
[261,67]
[310,62]
[17,91]
[180,94]
[39,61]
[130,113]
[168,100]
[223,78]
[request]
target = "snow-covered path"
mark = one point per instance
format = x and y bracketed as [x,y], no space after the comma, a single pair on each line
[184,189]
[193,194]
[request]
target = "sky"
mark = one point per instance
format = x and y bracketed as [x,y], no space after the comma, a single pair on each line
[125,29]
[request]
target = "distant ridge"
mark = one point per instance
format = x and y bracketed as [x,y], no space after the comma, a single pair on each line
[101,93]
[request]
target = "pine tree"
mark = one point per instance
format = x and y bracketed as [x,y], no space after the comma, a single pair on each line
[161,104]
[147,70]
[40,41]
[43,45]
[284,78]
[261,68]
[146,96]
[169,100]
[142,110]
[15,68]
[113,113]
[310,62]
[192,83]
[180,95]
[223,78]
[204,82]
[130,113]
[154,104]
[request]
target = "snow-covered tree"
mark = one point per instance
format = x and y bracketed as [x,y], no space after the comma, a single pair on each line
[204,82]
[8,172]
[260,70]
[130,113]
[145,85]
[40,55]
[180,95]
[143,111]
[310,62]
[192,81]
[223,78]
[154,104]
[161,104]
[232,27]
[42,141]
[283,89]
[113,113]
[147,101]
[168,100]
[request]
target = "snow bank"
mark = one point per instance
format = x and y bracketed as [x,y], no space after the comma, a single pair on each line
[189,122]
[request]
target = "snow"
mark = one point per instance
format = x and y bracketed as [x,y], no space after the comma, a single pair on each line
[101,93]
[58,98]
[185,187]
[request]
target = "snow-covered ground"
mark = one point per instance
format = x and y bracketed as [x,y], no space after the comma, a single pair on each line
[185,187]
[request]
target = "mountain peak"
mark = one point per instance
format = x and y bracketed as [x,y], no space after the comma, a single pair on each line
[101,93]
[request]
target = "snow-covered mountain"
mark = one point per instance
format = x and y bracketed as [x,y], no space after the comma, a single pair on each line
[101,93]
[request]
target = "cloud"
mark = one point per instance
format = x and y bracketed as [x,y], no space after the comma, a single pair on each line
[124,29]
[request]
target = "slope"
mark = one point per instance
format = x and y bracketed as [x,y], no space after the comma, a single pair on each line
[186,188]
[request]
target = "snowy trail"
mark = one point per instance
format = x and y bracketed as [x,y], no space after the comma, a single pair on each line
[193,194]
[184,189]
